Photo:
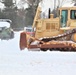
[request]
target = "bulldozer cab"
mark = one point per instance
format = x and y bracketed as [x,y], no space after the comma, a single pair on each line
[67,14]
[51,26]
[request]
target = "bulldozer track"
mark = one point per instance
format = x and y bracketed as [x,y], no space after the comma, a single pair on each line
[60,45]
[59,36]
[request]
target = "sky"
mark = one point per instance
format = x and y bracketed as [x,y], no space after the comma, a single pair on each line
[50,4]
[1,5]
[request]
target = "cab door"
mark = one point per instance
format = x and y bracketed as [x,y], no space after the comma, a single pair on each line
[64,16]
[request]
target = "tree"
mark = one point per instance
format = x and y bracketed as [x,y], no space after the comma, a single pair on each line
[57,4]
[7,3]
[74,1]
[10,11]
[30,11]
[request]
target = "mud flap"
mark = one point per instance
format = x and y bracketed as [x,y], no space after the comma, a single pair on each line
[23,40]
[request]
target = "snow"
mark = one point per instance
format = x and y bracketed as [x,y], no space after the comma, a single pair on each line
[13,61]
[4,24]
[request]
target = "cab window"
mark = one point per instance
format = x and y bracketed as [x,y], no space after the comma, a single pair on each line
[73,14]
[64,16]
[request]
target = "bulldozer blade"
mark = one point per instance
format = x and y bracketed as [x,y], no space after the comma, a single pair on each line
[23,41]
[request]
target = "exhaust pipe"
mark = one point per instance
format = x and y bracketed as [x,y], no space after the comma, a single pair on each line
[49,12]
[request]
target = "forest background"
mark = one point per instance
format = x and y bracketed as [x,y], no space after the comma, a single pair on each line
[22,12]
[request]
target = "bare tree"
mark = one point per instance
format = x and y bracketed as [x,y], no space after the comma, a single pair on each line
[30,10]
[74,1]
[57,4]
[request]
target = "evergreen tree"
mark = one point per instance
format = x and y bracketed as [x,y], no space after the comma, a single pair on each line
[30,11]
[8,3]
[10,11]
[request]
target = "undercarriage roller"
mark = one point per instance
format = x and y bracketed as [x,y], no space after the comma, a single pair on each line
[43,49]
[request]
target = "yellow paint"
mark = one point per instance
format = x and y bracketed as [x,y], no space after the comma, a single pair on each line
[51,26]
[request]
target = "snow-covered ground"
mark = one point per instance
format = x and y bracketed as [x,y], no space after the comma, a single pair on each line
[16,62]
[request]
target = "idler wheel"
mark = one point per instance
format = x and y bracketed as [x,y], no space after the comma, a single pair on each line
[74,37]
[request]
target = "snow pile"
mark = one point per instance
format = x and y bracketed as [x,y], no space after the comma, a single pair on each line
[4,24]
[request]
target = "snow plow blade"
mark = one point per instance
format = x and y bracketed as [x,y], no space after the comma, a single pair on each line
[23,41]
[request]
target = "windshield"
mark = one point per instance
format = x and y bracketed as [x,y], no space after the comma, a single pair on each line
[73,14]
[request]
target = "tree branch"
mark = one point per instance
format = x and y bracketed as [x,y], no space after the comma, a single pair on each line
[24,2]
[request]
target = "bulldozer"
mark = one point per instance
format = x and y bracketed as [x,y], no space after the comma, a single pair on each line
[52,33]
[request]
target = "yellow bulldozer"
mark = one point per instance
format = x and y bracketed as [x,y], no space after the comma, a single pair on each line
[52,33]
